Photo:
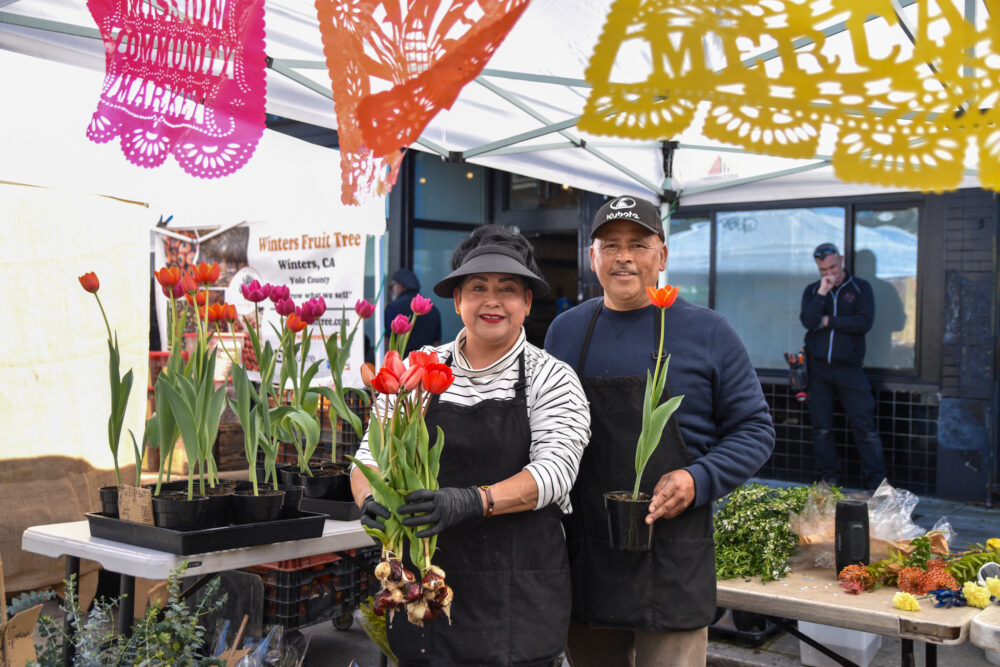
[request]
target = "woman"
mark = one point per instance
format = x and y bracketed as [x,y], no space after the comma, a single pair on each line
[515,422]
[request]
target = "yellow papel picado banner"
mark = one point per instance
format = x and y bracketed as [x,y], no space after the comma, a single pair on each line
[907,88]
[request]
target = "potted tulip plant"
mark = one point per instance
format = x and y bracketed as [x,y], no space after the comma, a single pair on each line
[627,529]
[406,461]
[121,387]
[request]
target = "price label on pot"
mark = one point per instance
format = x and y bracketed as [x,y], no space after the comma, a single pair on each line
[135,504]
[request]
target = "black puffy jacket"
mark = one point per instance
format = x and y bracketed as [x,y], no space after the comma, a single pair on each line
[851,308]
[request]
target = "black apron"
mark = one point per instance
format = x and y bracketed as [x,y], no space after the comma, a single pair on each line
[668,588]
[510,573]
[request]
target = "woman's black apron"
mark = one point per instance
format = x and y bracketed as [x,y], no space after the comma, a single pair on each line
[672,586]
[510,573]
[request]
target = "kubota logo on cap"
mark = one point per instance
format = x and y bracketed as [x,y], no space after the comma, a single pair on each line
[622,202]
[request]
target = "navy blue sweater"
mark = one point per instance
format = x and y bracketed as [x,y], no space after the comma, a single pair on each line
[723,417]
[851,309]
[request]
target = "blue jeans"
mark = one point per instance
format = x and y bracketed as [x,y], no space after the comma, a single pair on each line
[851,386]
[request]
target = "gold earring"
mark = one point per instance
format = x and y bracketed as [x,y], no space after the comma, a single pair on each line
[458,310]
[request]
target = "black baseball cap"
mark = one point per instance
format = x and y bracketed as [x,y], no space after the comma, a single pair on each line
[491,259]
[632,209]
[825,249]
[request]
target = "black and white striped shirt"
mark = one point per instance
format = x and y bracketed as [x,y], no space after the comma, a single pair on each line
[558,413]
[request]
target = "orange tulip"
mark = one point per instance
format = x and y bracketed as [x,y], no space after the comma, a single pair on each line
[229,314]
[168,276]
[90,282]
[663,297]
[205,274]
[216,312]
[368,373]
[295,323]
[196,297]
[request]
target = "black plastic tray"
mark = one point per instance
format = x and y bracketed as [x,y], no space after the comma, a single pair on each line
[292,525]
[341,510]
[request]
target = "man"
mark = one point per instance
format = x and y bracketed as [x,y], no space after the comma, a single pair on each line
[652,607]
[427,328]
[837,312]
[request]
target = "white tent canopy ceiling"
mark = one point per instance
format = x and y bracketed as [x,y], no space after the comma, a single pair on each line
[519,115]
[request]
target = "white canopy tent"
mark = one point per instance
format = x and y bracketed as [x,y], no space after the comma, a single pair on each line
[518,115]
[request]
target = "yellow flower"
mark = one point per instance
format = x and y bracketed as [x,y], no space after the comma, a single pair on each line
[976,595]
[905,601]
[993,583]
[993,543]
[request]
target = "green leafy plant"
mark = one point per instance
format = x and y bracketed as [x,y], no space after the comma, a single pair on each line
[28,600]
[654,415]
[753,536]
[169,635]
[374,626]
[121,385]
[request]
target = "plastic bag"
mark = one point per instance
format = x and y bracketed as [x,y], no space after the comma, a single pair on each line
[890,524]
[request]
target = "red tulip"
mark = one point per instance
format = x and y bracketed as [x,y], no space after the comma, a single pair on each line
[205,274]
[168,276]
[90,282]
[385,382]
[411,377]
[437,378]
[394,364]
[284,306]
[279,292]
[255,291]
[663,297]
[400,325]
[189,283]
[295,323]
[421,305]
[230,314]
[367,373]
[364,309]
[422,359]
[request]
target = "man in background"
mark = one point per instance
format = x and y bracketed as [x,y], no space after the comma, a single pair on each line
[427,328]
[837,312]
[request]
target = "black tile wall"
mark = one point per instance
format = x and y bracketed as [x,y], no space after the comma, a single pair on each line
[906,422]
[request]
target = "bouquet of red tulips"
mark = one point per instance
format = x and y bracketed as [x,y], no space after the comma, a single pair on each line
[406,461]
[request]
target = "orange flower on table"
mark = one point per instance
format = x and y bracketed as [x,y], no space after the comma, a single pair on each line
[207,274]
[663,297]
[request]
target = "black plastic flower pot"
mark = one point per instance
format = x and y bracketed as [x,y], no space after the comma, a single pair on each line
[627,527]
[288,475]
[173,510]
[219,509]
[109,501]
[266,506]
[293,495]
[329,481]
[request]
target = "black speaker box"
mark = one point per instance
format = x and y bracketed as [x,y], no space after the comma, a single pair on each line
[851,533]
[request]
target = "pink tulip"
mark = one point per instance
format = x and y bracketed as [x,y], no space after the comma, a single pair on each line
[175,292]
[400,325]
[284,306]
[255,291]
[394,364]
[364,309]
[279,292]
[421,305]
[412,377]
[314,308]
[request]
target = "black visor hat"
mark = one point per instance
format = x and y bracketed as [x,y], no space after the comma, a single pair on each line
[491,259]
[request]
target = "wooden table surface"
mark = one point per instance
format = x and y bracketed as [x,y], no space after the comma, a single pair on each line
[814,595]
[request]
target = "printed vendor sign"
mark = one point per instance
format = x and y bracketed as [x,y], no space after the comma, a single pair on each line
[312,264]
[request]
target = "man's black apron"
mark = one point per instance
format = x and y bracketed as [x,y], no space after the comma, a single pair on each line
[672,586]
[510,573]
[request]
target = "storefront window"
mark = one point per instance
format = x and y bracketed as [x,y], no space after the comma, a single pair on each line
[530,193]
[432,250]
[689,249]
[763,263]
[448,191]
[885,254]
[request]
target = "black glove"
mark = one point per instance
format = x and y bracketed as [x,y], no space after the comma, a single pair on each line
[371,511]
[445,508]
